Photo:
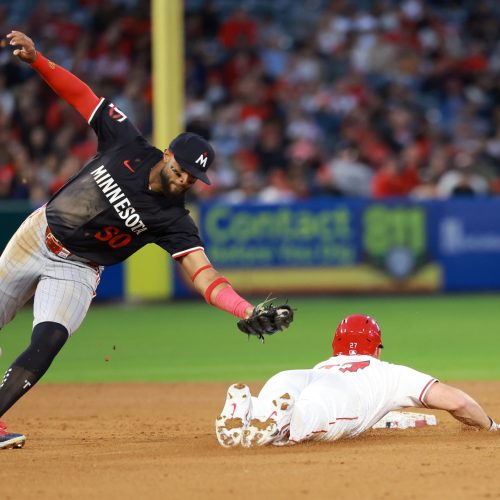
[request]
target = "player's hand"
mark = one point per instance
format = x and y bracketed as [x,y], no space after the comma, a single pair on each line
[24,46]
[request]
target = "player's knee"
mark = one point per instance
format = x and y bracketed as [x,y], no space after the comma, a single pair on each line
[46,341]
[49,336]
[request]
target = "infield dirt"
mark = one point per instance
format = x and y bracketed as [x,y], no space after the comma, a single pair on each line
[156,441]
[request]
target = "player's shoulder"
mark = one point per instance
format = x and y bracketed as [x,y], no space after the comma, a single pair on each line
[397,370]
[108,111]
[113,127]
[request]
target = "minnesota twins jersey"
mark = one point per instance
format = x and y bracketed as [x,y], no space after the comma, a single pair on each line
[106,212]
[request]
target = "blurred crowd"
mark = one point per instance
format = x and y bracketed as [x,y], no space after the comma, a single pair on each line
[300,99]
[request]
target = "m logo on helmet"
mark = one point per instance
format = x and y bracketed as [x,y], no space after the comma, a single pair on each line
[202,160]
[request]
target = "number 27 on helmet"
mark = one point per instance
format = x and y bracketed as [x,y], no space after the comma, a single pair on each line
[357,334]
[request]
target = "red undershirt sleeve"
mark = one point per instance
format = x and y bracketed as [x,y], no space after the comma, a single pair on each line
[67,86]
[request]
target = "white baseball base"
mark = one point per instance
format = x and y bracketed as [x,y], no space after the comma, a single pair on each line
[405,420]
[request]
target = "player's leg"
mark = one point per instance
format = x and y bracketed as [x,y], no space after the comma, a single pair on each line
[59,308]
[309,420]
[47,340]
[316,410]
[64,293]
[21,265]
[272,409]
[292,382]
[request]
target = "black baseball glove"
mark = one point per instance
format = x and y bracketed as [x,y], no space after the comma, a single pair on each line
[267,319]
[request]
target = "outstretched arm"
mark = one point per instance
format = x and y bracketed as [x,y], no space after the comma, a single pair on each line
[215,288]
[265,319]
[459,404]
[63,83]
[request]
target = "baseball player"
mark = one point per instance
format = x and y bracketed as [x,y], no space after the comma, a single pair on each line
[128,195]
[339,398]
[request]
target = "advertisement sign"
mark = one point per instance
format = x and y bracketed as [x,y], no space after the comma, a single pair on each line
[337,245]
[329,245]
[469,244]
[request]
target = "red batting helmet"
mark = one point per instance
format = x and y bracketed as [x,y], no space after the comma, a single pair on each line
[357,334]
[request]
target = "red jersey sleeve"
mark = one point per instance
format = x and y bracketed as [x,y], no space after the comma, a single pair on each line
[66,85]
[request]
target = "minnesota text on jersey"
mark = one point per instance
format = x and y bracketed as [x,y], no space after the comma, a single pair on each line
[117,198]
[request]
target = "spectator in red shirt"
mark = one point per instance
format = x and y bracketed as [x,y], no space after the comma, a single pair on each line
[238,30]
[394,179]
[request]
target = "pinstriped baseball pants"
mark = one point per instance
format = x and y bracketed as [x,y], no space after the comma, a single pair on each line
[62,289]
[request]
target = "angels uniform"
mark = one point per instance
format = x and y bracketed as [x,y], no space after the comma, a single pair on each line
[343,396]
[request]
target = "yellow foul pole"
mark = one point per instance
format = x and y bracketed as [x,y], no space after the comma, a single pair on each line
[148,272]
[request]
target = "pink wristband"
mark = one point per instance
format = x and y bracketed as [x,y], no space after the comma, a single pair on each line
[228,300]
[210,288]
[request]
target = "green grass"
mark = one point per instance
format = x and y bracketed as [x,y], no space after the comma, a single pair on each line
[450,337]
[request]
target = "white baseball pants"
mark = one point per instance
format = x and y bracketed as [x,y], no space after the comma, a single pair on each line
[63,289]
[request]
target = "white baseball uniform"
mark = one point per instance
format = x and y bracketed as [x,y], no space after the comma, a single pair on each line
[63,289]
[342,396]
